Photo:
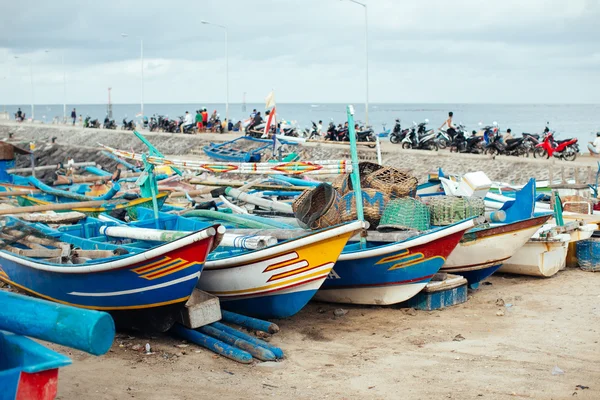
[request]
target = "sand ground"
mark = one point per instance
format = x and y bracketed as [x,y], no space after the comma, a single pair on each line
[382,352]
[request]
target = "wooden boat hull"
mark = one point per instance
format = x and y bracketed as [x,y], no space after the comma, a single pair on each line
[539,258]
[159,278]
[482,251]
[392,273]
[277,281]
[129,206]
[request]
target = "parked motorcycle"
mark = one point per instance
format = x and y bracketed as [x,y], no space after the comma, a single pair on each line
[128,126]
[424,141]
[312,132]
[109,123]
[461,144]
[566,149]
[86,121]
[153,124]
[398,134]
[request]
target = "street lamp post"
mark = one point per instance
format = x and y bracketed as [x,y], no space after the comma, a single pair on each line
[31,80]
[226,66]
[64,89]
[142,72]
[366,58]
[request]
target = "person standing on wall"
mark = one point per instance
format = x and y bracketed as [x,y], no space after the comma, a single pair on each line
[199,123]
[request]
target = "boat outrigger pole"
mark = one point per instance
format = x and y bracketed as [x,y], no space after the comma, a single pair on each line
[147,180]
[355,175]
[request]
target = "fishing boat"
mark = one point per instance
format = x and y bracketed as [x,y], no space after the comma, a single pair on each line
[383,274]
[542,255]
[129,206]
[242,149]
[273,282]
[141,283]
[482,251]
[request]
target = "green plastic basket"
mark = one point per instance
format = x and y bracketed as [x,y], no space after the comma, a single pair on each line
[405,213]
[448,210]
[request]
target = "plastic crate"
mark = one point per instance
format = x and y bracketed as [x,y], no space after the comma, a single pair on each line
[28,370]
[588,254]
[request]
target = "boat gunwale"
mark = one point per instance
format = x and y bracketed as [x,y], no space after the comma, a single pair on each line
[121,263]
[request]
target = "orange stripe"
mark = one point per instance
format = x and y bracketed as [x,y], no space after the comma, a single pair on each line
[393,258]
[154,265]
[166,271]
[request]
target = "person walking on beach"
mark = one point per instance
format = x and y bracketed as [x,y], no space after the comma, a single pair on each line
[320,128]
[19,115]
[74,116]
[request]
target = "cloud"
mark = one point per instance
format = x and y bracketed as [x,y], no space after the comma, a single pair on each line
[309,51]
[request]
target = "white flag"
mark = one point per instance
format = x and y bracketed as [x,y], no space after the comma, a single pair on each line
[270,100]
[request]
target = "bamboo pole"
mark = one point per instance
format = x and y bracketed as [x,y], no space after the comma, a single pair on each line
[52,207]
[19,193]
[355,175]
[48,167]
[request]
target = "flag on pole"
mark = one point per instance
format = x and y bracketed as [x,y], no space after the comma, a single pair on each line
[276,145]
[270,100]
[269,121]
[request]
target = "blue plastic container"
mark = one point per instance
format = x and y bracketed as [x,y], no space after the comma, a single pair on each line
[28,370]
[588,254]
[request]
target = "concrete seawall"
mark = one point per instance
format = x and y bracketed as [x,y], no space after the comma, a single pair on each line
[78,142]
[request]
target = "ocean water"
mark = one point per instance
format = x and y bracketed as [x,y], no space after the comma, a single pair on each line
[568,120]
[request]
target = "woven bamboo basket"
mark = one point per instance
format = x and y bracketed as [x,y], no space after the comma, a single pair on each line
[405,214]
[575,203]
[396,183]
[374,203]
[318,208]
[343,183]
[447,210]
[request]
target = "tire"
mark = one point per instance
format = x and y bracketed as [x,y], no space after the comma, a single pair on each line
[571,155]
[443,143]
[492,151]
[406,145]
[540,152]
[394,139]
[433,146]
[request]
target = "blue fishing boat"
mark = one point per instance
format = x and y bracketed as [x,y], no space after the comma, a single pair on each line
[140,282]
[390,273]
[242,149]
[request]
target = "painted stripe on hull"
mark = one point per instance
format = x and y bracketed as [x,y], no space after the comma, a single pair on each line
[144,289]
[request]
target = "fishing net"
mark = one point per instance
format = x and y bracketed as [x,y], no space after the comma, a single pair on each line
[394,182]
[318,208]
[588,254]
[447,210]
[343,183]
[405,214]
[374,202]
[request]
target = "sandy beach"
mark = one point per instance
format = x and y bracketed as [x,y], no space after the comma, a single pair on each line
[503,343]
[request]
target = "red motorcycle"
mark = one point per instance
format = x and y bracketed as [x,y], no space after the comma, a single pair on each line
[564,149]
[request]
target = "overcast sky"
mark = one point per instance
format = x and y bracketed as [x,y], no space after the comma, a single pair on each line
[473,51]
